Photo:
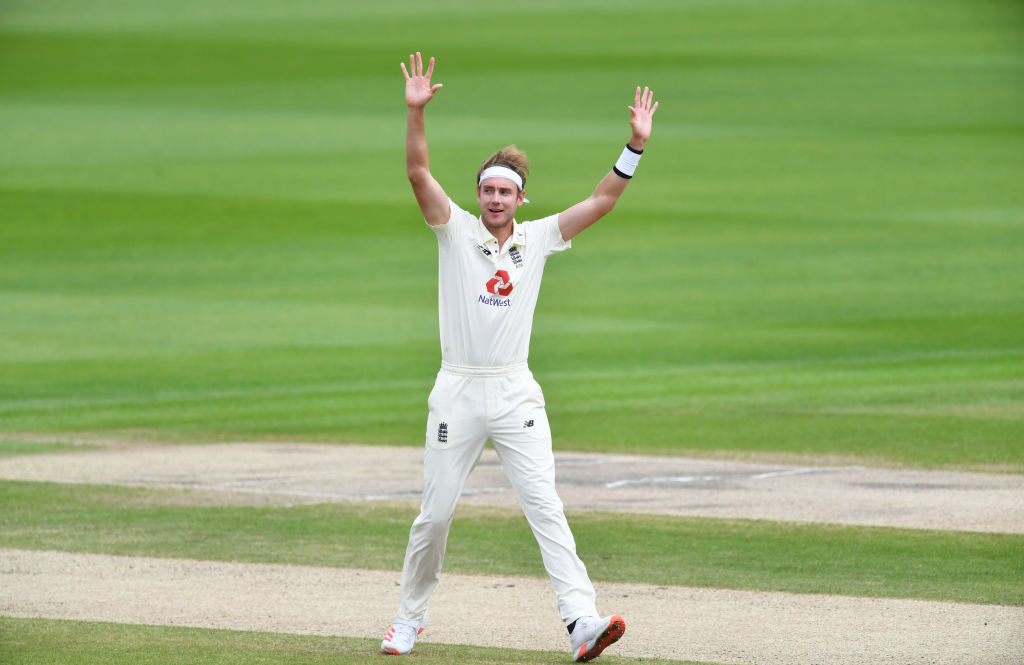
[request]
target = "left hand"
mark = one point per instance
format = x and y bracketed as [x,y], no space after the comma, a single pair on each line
[641,115]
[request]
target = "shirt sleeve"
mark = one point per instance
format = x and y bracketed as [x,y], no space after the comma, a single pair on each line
[454,225]
[545,232]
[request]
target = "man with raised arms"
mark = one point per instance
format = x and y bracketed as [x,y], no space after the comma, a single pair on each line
[489,273]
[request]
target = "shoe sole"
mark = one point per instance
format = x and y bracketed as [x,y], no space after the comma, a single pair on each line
[616,627]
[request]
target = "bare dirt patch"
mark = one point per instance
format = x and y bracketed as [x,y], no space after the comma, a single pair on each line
[315,473]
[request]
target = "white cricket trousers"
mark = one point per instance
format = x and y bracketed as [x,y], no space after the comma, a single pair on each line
[468,407]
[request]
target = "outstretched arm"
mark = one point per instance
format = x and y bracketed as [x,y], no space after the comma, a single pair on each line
[418,92]
[601,202]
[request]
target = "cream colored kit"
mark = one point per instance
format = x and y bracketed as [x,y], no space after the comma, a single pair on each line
[486,294]
[486,392]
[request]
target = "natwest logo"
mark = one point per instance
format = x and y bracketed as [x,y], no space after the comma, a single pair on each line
[500,284]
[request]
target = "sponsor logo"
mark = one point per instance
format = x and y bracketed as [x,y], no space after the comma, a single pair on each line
[500,284]
[442,433]
[528,423]
[495,302]
[483,249]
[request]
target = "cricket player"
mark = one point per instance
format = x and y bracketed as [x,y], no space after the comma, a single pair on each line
[489,274]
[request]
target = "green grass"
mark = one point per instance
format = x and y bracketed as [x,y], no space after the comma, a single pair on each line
[10,448]
[41,642]
[739,554]
[207,233]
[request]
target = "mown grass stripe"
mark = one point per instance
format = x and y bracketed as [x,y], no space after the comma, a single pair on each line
[738,554]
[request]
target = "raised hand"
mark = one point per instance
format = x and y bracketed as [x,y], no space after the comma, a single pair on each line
[641,114]
[418,90]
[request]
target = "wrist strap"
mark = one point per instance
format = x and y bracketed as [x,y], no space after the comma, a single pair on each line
[626,166]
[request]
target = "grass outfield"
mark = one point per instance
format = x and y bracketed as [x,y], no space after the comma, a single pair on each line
[207,232]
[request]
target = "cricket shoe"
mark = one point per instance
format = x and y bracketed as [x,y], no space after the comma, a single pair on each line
[387,647]
[399,639]
[590,636]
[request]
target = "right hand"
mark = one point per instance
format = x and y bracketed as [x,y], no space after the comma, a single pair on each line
[418,90]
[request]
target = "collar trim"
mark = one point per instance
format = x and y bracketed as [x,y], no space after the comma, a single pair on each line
[518,236]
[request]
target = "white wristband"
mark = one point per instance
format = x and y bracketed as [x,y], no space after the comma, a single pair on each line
[626,166]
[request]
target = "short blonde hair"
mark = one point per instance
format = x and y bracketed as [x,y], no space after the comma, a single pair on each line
[510,157]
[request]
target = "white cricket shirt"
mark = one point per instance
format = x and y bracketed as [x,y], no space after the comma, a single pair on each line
[486,298]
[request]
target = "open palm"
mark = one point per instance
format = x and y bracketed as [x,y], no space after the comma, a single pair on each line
[642,114]
[418,90]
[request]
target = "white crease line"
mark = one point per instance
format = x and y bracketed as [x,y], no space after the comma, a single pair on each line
[669,479]
[418,494]
[781,474]
[690,479]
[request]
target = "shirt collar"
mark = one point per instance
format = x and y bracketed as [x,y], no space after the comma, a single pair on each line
[518,236]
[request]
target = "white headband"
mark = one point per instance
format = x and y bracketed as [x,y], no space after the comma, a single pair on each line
[502,172]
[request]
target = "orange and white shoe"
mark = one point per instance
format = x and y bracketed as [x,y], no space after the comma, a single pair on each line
[399,640]
[591,635]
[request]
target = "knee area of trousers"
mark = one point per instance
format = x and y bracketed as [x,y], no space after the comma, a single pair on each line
[432,526]
[544,510]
